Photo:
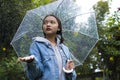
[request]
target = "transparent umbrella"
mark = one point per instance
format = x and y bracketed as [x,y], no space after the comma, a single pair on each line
[79,28]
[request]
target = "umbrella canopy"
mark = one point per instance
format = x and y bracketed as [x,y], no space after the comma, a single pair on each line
[79,28]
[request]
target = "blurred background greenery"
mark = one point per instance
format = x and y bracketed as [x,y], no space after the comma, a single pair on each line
[101,64]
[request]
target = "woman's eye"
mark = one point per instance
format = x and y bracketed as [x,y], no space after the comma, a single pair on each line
[52,22]
[45,22]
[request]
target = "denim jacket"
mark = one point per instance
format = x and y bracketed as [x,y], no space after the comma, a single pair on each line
[45,65]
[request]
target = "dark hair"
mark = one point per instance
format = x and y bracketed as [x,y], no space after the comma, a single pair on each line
[59,26]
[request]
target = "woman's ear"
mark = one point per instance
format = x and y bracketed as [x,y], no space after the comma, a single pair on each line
[58,29]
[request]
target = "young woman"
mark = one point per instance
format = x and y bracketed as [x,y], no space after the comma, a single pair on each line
[49,58]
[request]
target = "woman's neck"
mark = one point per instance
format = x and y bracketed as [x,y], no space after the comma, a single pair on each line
[51,39]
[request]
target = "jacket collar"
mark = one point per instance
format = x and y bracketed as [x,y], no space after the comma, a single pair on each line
[46,41]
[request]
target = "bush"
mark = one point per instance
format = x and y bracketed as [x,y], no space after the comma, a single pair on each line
[10,69]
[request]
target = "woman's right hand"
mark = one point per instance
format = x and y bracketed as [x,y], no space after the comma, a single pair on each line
[26,59]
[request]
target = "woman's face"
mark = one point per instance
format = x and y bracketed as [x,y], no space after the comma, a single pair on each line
[50,25]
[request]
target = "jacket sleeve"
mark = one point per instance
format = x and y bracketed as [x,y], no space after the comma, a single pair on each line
[72,75]
[35,68]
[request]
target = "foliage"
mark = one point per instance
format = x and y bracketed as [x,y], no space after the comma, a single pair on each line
[10,69]
[106,54]
[11,15]
[109,44]
[37,3]
[112,45]
[95,60]
[101,9]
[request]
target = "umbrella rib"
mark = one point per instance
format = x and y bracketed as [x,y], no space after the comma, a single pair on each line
[35,13]
[58,7]
[19,36]
[76,16]
[79,32]
[16,38]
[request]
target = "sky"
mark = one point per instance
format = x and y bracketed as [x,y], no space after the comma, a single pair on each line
[114,5]
[88,3]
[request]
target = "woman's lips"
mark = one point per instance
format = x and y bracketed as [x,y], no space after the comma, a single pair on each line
[48,29]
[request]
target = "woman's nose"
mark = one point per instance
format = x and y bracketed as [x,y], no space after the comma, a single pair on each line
[48,24]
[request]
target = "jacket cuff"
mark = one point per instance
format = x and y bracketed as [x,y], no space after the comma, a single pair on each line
[67,71]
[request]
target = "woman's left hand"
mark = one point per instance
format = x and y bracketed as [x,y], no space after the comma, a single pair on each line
[69,65]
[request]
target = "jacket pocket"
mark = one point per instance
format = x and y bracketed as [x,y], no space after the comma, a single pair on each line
[46,60]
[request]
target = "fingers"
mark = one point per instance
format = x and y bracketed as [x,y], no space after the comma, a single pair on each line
[70,65]
[26,59]
[18,60]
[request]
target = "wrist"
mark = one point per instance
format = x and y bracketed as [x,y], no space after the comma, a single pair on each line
[67,71]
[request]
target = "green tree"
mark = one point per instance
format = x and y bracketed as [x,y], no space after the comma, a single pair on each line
[10,69]
[95,59]
[109,44]
[112,46]
[11,15]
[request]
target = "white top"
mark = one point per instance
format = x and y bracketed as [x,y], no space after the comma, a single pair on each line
[59,59]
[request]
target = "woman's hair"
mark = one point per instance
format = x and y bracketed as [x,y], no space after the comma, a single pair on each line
[59,26]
